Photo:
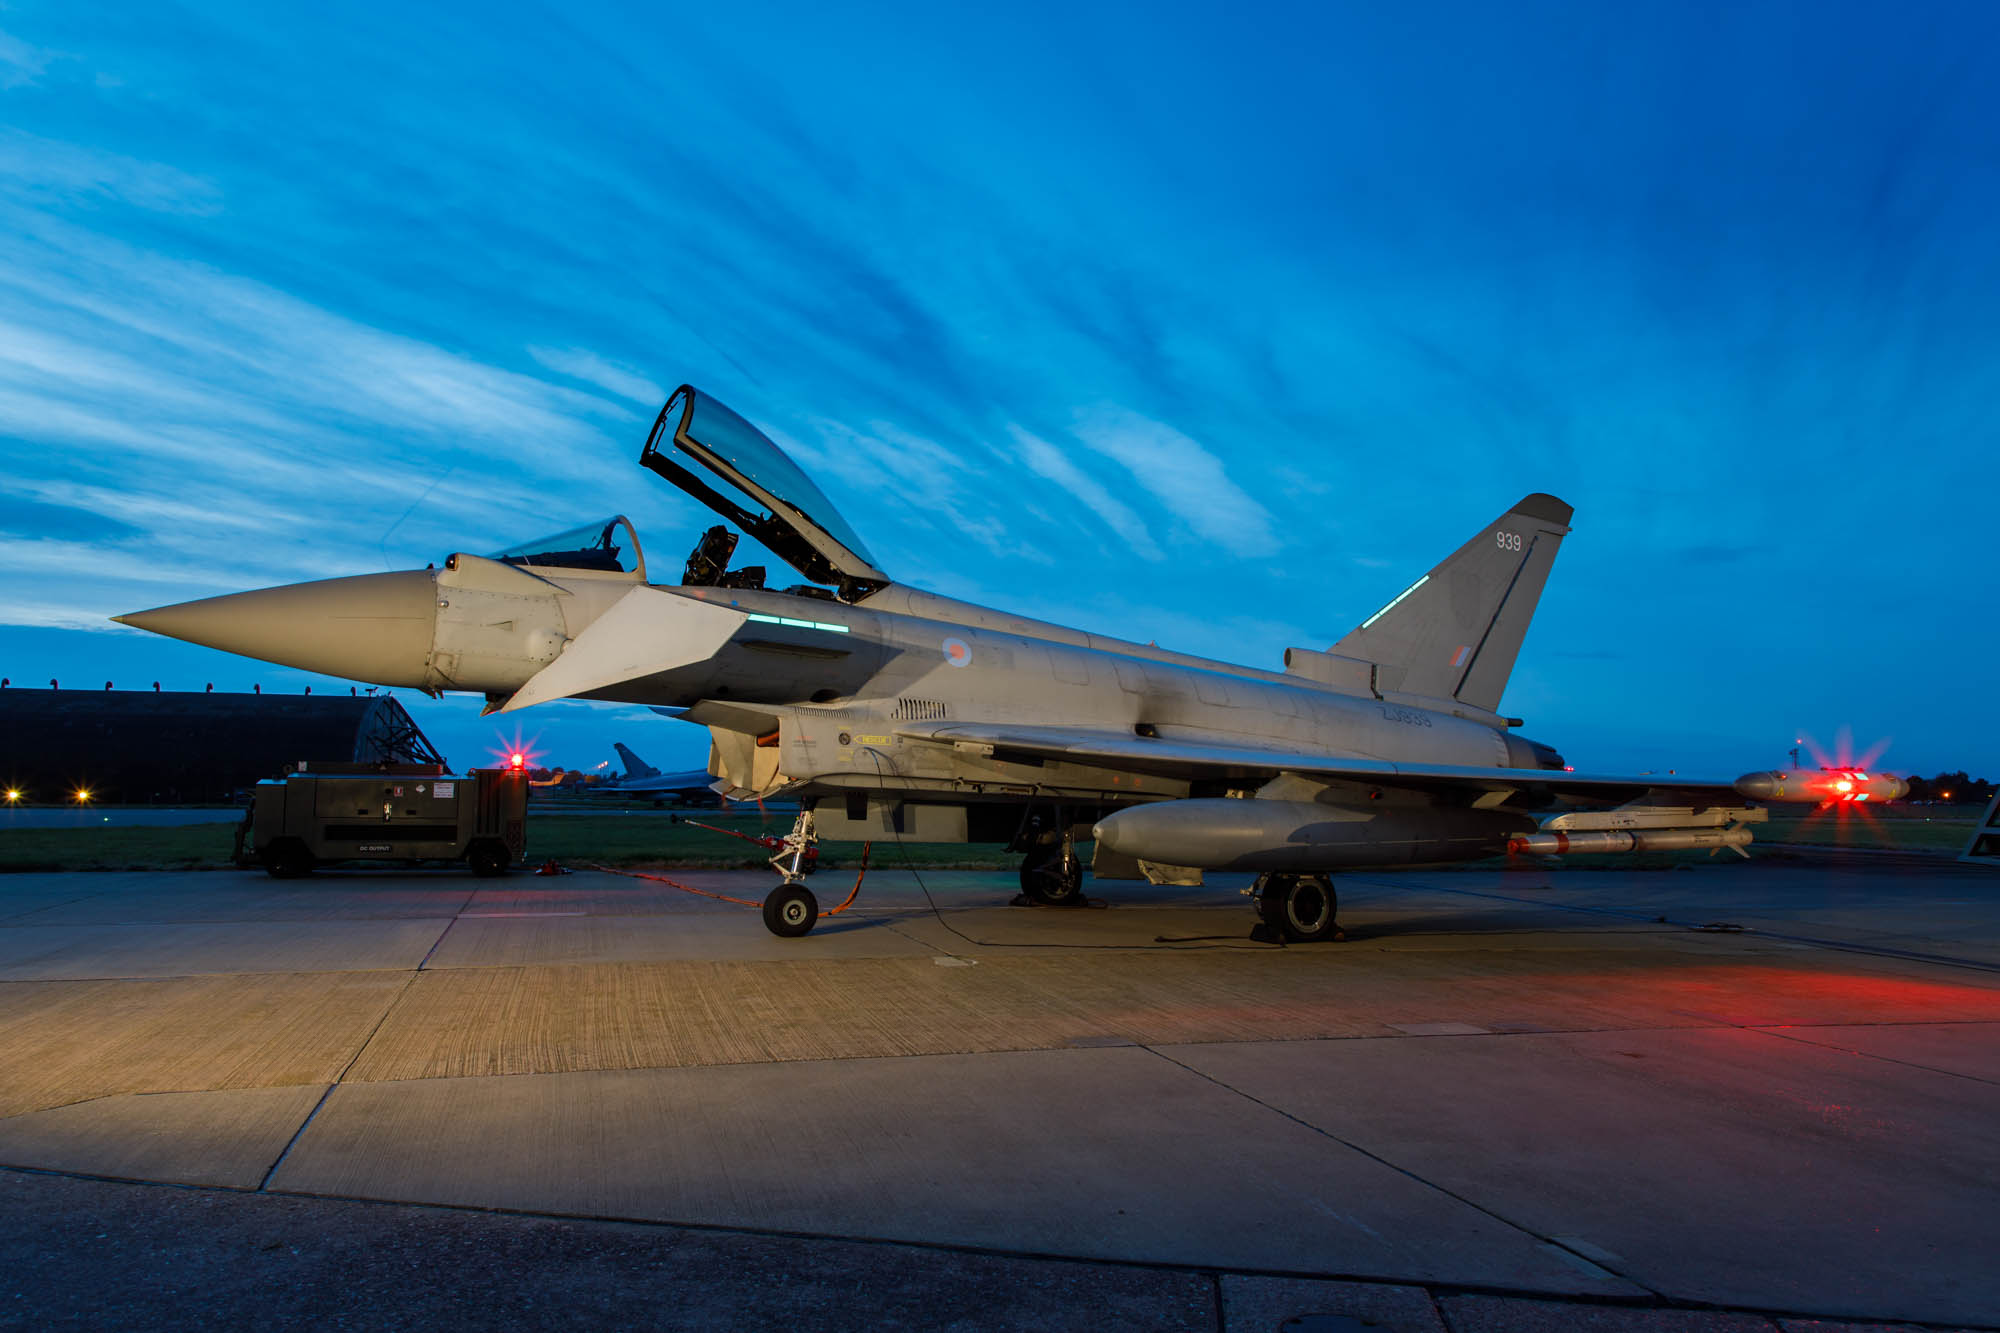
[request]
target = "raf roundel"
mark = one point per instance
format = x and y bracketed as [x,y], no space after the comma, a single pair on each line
[957,652]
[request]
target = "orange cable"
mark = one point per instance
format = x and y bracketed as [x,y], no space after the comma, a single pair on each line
[854,892]
[846,903]
[674,883]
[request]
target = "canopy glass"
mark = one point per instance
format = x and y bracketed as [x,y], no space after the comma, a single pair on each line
[732,467]
[609,544]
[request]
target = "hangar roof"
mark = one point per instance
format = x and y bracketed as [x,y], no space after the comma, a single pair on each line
[142,746]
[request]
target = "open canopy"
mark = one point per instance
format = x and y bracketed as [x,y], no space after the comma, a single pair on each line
[732,467]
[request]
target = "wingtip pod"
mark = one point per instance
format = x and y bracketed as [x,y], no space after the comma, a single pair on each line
[1821,785]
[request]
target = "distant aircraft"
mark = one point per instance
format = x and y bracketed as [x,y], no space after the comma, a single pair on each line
[891,712]
[695,786]
[635,767]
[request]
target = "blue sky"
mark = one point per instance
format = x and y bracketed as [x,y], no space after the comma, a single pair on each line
[1209,325]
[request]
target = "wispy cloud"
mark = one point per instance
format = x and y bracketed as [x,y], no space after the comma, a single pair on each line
[1048,461]
[925,483]
[21,63]
[246,336]
[1186,478]
[34,167]
[581,364]
[228,434]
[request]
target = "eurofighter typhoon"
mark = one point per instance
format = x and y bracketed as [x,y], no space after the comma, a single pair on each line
[890,712]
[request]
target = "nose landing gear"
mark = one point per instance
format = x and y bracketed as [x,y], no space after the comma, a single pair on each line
[790,910]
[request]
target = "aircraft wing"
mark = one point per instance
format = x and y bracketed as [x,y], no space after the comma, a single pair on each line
[1183,757]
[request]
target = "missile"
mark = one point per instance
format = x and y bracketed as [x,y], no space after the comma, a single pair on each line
[1822,786]
[1627,840]
[1226,834]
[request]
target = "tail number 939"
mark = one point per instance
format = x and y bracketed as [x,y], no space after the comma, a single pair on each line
[1508,541]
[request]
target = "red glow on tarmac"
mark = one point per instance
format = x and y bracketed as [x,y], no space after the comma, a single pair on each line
[1757,994]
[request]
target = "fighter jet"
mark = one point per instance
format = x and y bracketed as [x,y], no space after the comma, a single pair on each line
[890,712]
[690,787]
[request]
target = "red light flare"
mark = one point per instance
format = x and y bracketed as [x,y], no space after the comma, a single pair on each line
[1846,812]
[515,753]
[1848,768]
[1843,756]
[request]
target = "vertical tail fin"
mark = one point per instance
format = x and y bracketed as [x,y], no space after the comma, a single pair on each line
[1455,632]
[635,767]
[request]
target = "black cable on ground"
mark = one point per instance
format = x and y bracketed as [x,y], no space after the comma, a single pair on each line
[1160,944]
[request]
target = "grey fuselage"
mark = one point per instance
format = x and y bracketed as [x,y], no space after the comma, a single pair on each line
[815,697]
[836,699]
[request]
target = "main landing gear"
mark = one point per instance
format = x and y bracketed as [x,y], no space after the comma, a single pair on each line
[1053,875]
[1051,871]
[1298,908]
[790,909]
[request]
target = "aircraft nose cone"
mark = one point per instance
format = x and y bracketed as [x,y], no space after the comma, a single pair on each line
[372,627]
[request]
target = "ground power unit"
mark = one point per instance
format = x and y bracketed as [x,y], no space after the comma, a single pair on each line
[395,812]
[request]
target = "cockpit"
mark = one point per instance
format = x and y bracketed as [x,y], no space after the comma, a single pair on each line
[735,469]
[732,467]
[608,545]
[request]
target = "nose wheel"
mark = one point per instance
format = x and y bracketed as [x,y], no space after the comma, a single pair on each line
[1299,908]
[790,910]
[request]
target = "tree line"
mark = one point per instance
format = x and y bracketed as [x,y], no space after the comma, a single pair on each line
[1956,788]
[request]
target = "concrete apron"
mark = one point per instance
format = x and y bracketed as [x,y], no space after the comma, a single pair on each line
[1503,1096]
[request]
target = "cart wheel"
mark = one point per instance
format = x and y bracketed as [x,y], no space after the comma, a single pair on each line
[487,858]
[286,858]
[790,910]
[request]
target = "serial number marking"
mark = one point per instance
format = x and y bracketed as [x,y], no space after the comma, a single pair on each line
[1409,717]
[1508,541]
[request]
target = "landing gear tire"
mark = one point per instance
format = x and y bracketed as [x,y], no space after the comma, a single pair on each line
[790,910]
[1302,908]
[487,859]
[286,858]
[1053,876]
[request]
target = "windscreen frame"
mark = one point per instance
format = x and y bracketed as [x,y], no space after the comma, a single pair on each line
[522,554]
[784,529]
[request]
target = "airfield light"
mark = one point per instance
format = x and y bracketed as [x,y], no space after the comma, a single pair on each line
[517,760]
[13,796]
[83,796]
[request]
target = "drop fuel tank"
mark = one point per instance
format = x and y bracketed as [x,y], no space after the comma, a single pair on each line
[1237,834]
